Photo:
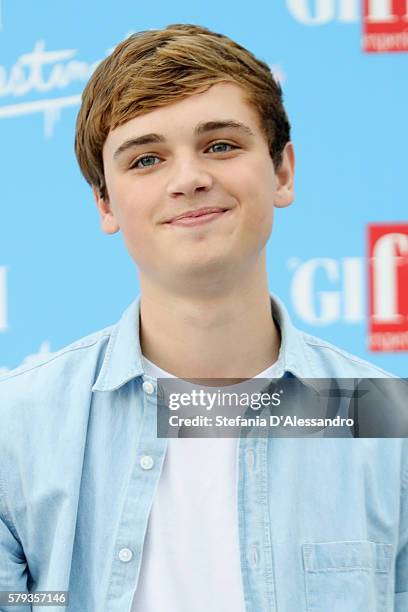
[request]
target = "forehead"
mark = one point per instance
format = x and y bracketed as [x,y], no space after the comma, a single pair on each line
[222,101]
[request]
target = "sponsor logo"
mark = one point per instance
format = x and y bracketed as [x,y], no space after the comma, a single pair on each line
[384,22]
[388,287]
[385,25]
[320,12]
[41,74]
[325,291]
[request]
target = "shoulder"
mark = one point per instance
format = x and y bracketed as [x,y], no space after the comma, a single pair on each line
[332,361]
[79,362]
[378,399]
[314,357]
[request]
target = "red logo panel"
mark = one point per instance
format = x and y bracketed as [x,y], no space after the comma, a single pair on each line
[385,25]
[388,287]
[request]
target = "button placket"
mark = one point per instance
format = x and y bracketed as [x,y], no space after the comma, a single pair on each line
[148,458]
[255,534]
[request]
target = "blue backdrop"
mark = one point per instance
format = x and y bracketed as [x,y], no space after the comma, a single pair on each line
[61,278]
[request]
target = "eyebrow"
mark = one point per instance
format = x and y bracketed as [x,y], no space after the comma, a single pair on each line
[201,128]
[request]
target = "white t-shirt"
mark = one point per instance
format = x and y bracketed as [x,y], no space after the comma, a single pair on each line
[191,557]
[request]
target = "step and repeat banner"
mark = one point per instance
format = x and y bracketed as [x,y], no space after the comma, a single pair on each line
[338,257]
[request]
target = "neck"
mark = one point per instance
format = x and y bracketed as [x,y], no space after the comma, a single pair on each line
[229,334]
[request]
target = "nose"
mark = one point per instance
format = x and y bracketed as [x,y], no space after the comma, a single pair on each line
[188,177]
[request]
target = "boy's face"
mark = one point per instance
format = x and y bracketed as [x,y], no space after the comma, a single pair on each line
[188,161]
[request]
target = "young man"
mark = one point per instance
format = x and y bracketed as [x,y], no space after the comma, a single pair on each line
[183,136]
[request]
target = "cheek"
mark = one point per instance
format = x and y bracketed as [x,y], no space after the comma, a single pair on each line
[258,202]
[262,222]
[137,241]
[128,205]
[139,211]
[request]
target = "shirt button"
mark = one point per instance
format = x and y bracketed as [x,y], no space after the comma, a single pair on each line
[147,462]
[251,459]
[148,387]
[125,555]
[254,555]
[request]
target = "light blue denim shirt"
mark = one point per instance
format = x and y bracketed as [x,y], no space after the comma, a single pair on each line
[323,523]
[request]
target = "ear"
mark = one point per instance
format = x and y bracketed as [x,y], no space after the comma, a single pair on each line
[285,176]
[109,225]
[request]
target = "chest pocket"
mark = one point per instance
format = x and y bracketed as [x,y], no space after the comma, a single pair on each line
[347,576]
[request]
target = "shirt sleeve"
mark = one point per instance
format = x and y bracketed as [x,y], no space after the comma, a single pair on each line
[13,565]
[401,574]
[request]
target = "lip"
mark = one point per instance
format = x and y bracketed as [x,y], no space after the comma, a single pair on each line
[198,213]
[199,219]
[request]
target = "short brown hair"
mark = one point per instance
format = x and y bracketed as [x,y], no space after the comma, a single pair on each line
[153,68]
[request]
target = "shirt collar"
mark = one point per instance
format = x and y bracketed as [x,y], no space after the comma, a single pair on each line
[123,358]
[293,357]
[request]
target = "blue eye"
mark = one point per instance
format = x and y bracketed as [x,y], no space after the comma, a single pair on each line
[140,162]
[222,144]
[143,165]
